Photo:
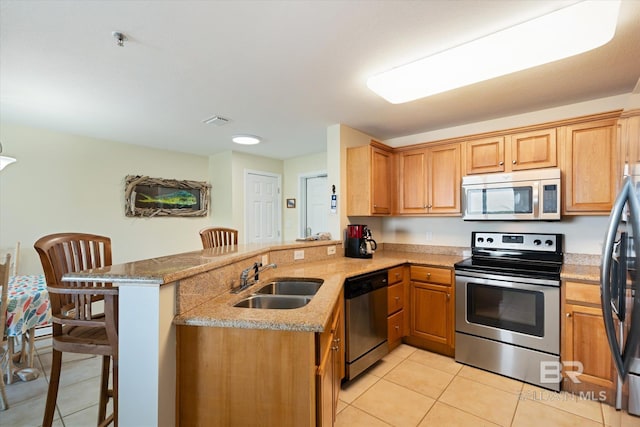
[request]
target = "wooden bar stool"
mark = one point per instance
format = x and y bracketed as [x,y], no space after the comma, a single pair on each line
[76,328]
[212,237]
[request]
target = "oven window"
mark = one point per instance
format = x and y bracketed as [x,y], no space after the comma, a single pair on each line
[515,310]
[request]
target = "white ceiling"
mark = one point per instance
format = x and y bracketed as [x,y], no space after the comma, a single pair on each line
[283,70]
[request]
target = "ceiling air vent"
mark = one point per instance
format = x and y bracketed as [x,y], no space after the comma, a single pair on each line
[216,120]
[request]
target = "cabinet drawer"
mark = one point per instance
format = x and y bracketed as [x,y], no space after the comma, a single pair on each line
[395,300]
[395,330]
[423,273]
[396,275]
[582,292]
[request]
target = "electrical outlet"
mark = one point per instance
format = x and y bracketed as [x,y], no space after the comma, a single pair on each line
[265,259]
[331,250]
[298,254]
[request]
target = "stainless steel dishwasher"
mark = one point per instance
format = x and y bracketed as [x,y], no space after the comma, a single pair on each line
[365,321]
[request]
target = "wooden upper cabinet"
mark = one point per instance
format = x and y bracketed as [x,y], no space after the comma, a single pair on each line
[590,167]
[485,155]
[382,164]
[533,150]
[413,195]
[445,179]
[527,150]
[369,180]
[429,180]
[629,128]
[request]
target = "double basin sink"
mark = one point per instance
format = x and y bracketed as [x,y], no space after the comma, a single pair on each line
[286,293]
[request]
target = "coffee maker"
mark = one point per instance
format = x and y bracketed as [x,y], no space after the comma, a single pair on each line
[359,243]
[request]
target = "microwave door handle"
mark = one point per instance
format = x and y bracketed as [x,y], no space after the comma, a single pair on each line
[606,279]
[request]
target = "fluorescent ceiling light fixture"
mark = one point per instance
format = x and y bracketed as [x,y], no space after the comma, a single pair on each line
[566,32]
[246,139]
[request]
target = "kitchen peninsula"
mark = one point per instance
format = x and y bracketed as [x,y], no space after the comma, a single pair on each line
[193,289]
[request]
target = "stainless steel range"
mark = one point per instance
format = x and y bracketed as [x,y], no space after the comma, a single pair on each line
[508,305]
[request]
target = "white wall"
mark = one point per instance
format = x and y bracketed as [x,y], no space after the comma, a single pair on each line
[293,169]
[583,234]
[64,182]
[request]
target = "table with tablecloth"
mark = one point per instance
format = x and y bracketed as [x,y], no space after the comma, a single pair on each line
[28,307]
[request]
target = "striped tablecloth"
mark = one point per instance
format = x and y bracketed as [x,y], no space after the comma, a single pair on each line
[28,304]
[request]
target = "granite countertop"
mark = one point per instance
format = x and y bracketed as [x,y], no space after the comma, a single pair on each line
[313,317]
[170,268]
[585,273]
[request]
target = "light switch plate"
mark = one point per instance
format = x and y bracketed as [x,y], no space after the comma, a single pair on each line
[265,259]
[331,250]
[298,254]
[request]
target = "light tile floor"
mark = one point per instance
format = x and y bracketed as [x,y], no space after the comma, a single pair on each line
[416,388]
[409,387]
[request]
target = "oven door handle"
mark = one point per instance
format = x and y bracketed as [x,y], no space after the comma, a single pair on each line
[476,279]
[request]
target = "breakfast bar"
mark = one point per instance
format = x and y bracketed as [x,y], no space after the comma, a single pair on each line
[193,289]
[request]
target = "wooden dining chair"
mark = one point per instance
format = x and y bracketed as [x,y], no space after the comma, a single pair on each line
[212,237]
[78,325]
[4,299]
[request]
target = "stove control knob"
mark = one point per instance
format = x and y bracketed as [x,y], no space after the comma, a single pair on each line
[548,242]
[480,239]
[490,240]
[537,242]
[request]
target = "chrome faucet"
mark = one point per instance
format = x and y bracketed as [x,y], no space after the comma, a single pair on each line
[245,281]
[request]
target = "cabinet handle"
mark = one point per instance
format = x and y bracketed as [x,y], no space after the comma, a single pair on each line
[501,163]
[337,340]
[335,348]
[428,275]
[397,327]
[397,298]
[514,162]
[568,315]
[397,275]
[448,297]
[429,206]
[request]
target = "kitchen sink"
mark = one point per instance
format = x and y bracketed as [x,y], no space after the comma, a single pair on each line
[293,286]
[274,301]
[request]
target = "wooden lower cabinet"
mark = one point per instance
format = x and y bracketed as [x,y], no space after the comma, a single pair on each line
[432,307]
[233,376]
[585,342]
[396,301]
[331,369]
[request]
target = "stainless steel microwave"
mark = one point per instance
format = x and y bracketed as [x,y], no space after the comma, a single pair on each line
[522,195]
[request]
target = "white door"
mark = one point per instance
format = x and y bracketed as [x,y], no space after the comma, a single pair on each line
[316,209]
[262,203]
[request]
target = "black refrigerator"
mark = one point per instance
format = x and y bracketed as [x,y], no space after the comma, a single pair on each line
[619,287]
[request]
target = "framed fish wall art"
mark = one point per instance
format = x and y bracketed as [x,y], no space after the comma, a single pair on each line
[149,197]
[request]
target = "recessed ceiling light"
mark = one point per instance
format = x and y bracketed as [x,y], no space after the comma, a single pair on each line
[566,32]
[246,139]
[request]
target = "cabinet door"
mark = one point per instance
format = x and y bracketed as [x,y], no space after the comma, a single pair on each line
[324,391]
[338,356]
[532,150]
[413,182]
[589,167]
[485,155]
[431,318]
[381,164]
[586,342]
[444,179]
